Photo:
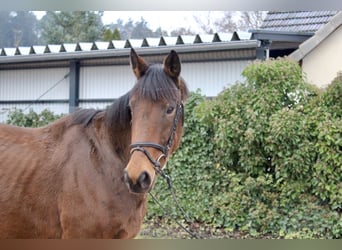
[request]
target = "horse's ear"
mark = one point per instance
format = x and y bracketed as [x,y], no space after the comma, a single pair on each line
[138,64]
[172,65]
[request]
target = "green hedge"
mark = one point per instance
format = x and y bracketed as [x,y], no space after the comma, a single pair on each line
[31,119]
[263,158]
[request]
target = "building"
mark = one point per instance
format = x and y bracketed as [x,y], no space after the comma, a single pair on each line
[64,77]
[281,32]
[313,38]
[67,76]
[321,55]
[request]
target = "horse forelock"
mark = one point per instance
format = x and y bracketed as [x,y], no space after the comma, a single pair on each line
[155,85]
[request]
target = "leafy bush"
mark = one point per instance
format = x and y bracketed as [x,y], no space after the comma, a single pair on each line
[241,115]
[263,158]
[327,176]
[31,119]
[331,98]
[306,144]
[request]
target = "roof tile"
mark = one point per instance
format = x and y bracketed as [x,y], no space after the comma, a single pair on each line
[298,21]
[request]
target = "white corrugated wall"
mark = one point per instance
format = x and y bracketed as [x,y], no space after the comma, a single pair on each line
[95,105]
[104,82]
[212,77]
[114,81]
[31,84]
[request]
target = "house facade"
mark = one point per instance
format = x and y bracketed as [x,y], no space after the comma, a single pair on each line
[321,55]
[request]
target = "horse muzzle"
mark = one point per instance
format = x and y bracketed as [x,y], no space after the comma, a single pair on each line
[141,184]
[142,168]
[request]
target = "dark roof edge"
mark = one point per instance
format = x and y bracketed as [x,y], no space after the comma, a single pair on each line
[288,36]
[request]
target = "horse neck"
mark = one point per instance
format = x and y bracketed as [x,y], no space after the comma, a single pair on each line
[116,125]
[120,141]
[115,136]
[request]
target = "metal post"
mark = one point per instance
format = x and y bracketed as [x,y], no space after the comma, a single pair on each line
[74,85]
[263,50]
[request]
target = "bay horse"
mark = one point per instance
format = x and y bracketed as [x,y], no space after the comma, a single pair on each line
[87,175]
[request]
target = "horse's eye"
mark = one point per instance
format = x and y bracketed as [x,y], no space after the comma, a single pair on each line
[170,110]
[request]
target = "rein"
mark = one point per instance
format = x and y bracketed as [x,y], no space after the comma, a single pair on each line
[167,212]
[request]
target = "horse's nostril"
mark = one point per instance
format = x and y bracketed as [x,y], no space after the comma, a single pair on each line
[144,180]
[141,184]
[127,179]
[125,176]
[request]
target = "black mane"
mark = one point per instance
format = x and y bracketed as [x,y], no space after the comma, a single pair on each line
[118,115]
[83,116]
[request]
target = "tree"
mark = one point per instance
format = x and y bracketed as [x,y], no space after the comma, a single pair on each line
[159,32]
[182,31]
[227,23]
[5,30]
[141,29]
[126,29]
[251,19]
[71,27]
[230,21]
[18,28]
[25,28]
[205,23]
[135,30]
[116,34]
[109,35]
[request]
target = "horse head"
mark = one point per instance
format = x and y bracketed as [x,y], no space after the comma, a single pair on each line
[156,105]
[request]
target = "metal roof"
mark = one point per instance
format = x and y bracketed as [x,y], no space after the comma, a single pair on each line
[296,21]
[119,48]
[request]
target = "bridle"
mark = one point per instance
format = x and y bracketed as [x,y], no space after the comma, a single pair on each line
[140,146]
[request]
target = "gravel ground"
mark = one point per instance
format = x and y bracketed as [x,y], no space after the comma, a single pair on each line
[170,230]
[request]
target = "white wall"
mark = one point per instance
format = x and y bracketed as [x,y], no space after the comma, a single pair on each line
[105,82]
[30,84]
[114,81]
[212,77]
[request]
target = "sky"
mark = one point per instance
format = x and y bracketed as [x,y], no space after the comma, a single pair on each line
[167,20]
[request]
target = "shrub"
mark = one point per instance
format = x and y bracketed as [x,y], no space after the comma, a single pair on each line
[241,115]
[31,119]
[331,97]
[264,157]
[327,170]
[306,146]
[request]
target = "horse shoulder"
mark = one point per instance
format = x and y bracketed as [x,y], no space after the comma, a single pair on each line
[28,186]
